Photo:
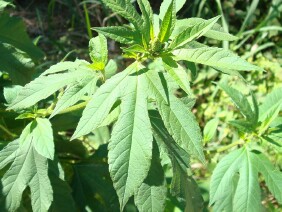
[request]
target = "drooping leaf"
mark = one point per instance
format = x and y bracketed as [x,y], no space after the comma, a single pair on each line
[98,51]
[217,57]
[12,31]
[44,86]
[28,169]
[130,147]
[8,153]
[177,118]
[193,32]
[168,23]
[151,195]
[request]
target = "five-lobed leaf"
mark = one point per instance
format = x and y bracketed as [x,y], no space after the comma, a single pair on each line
[28,169]
[243,193]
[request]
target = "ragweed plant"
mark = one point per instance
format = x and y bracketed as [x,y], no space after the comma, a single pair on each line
[152,128]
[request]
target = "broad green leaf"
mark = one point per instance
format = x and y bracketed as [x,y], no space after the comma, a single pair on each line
[165,4]
[74,93]
[12,31]
[98,51]
[9,153]
[40,133]
[241,102]
[247,195]
[221,186]
[270,102]
[130,147]
[217,57]
[178,119]
[168,23]
[125,9]
[101,103]
[112,117]
[210,129]
[110,68]
[11,93]
[67,66]
[193,32]
[28,169]
[151,195]
[216,32]
[121,34]
[271,175]
[44,86]
[178,74]
[16,63]
[147,15]
[100,136]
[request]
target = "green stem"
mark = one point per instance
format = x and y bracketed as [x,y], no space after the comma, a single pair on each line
[230,146]
[87,20]
[7,131]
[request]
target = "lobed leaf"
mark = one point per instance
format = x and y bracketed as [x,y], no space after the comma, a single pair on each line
[44,86]
[28,169]
[101,103]
[130,147]
[179,121]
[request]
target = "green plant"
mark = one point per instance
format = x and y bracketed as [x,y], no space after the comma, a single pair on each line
[153,131]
